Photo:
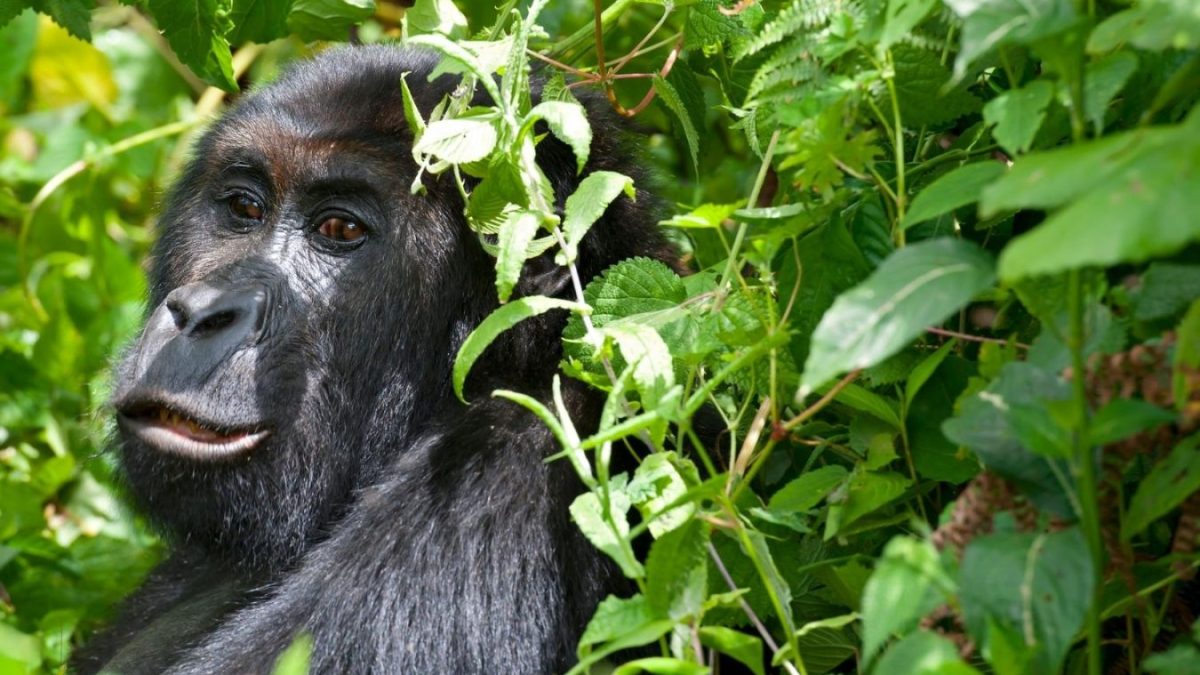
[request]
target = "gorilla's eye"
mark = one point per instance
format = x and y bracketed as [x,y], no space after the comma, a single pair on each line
[341,229]
[246,207]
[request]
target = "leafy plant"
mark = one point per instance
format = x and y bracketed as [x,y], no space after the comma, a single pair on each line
[942,300]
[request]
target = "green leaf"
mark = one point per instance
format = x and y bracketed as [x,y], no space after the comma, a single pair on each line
[1166,291]
[569,123]
[1186,364]
[607,531]
[743,648]
[1130,200]
[516,231]
[660,665]
[259,20]
[458,141]
[1170,482]
[327,19]
[925,89]
[588,203]
[865,400]
[197,33]
[647,355]
[458,58]
[988,24]
[670,98]
[954,190]
[1104,80]
[1018,114]
[864,493]
[1153,25]
[657,483]
[1124,417]
[808,490]
[496,323]
[676,570]
[435,16]
[924,653]
[623,623]
[916,287]
[294,660]
[908,583]
[1036,586]
[19,652]
[984,425]
[901,17]
[924,370]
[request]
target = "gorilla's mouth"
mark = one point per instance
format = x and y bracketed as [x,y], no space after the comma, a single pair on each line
[172,431]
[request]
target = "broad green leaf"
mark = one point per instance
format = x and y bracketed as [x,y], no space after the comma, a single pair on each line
[916,287]
[865,400]
[1166,486]
[1104,80]
[1127,199]
[808,490]
[705,216]
[670,98]
[676,570]
[607,531]
[496,323]
[1017,115]
[459,59]
[435,16]
[1186,366]
[587,204]
[924,653]
[294,660]
[1124,417]
[621,623]
[862,494]
[516,232]
[648,356]
[197,33]
[327,19]
[984,425]
[1153,25]
[746,649]
[1036,586]
[925,89]
[569,123]
[901,17]
[658,483]
[259,20]
[954,190]
[19,652]
[908,582]
[1166,291]
[988,24]
[73,15]
[458,141]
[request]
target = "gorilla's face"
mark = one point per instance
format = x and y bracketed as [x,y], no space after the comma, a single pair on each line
[301,300]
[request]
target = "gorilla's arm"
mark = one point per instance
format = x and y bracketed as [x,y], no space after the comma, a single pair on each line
[463,559]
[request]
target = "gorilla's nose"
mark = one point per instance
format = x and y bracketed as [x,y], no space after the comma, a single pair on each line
[201,311]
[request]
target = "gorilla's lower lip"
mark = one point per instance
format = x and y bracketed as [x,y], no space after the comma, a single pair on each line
[172,432]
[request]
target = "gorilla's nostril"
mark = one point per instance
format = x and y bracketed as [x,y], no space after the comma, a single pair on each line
[214,322]
[178,312]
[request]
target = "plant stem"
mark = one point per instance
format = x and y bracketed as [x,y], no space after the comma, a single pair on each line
[1085,467]
[731,264]
[898,145]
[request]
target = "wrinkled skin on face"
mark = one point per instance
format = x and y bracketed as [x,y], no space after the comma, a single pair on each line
[286,418]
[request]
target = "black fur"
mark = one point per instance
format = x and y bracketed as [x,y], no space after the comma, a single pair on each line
[406,532]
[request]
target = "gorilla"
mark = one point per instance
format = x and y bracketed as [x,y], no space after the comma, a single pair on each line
[286,417]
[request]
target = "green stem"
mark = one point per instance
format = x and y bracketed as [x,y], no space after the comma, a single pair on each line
[580,37]
[1085,467]
[898,145]
[731,265]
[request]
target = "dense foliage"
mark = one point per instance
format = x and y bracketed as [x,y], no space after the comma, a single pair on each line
[942,306]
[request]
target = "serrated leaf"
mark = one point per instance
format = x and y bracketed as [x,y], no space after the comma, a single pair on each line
[954,190]
[707,26]
[1018,114]
[746,649]
[1170,482]
[588,203]
[259,20]
[916,287]
[458,59]
[607,532]
[496,323]
[197,33]
[657,484]
[925,89]
[670,98]
[622,623]
[516,232]
[569,123]
[1129,199]
[648,356]
[864,493]
[808,490]
[629,288]
[1166,291]
[327,19]
[1035,586]
[458,141]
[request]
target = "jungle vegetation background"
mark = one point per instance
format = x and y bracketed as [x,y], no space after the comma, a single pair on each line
[944,295]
